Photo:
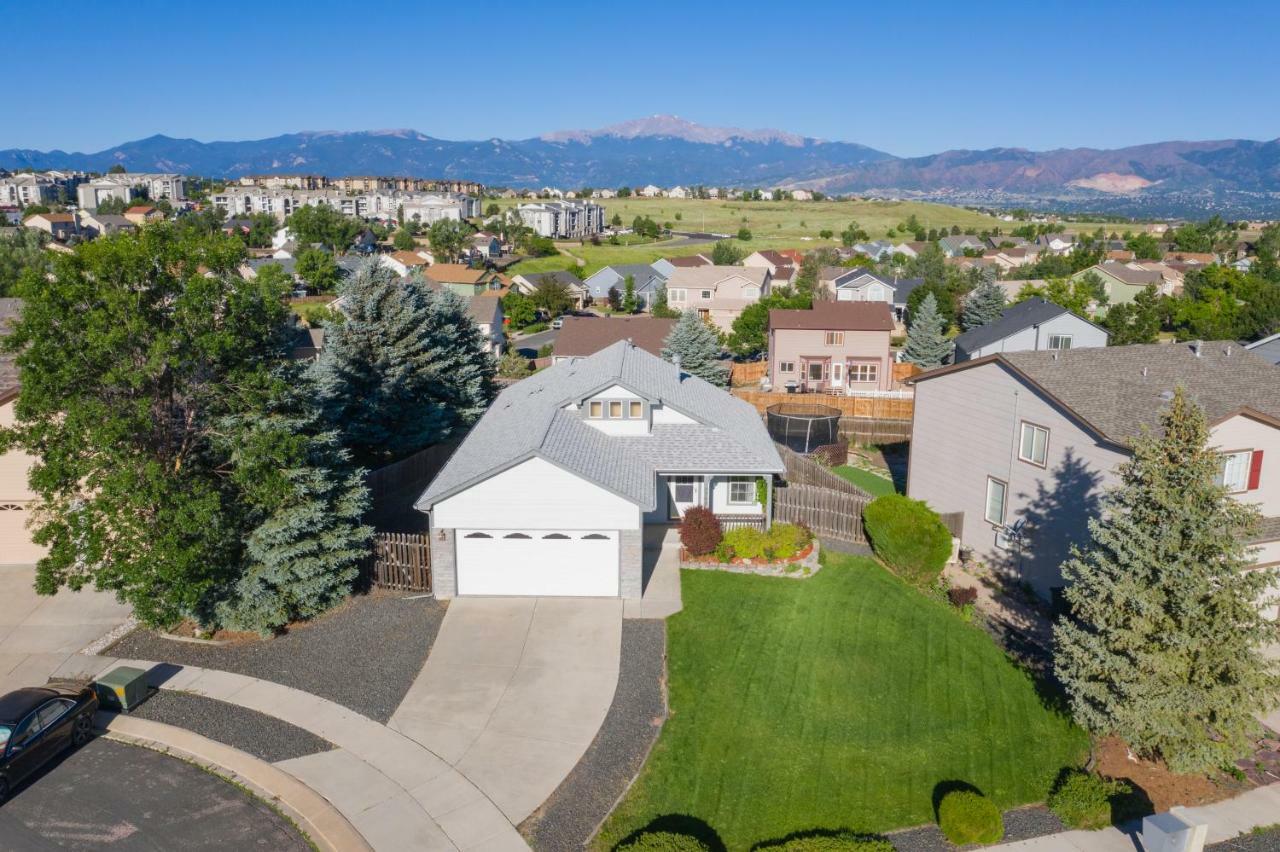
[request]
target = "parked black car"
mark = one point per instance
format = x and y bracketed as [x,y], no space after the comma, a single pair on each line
[36,724]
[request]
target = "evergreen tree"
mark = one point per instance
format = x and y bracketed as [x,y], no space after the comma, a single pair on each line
[1162,642]
[629,302]
[697,346]
[927,346]
[304,505]
[984,304]
[404,370]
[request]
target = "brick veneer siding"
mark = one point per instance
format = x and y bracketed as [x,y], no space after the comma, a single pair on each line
[632,559]
[444,574]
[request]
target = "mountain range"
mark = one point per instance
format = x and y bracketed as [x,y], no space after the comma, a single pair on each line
[1232,176]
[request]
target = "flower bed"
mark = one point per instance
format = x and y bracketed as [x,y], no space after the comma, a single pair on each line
[803,564]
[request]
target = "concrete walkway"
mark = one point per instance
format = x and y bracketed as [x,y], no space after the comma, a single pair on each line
[38,633]
[661,557]
[1225,820]
[397,794]
[514,691]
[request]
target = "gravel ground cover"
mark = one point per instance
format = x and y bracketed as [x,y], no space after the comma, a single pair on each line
[568,818]
[1019,824]
[363,655]
[1263,840]
[258,734]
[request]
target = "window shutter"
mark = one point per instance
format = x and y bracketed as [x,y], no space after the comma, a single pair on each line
[1255,470]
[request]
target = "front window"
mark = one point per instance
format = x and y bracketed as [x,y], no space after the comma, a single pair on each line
[786,367]
[742,491]
[1034,447]
[863,372]
[995,501]
[835,338]
[1234,473]
[815,371]
[706,294]
[675,295]
[1059,341]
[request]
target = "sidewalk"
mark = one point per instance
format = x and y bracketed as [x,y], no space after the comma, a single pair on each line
[1226,820]
[397,794]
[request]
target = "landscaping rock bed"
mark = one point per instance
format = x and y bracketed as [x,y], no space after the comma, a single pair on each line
[569,818]
[363,655]
[1019,824]
[258,734]
[802,566]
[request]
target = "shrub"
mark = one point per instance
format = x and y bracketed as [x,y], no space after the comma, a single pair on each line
[908,536]
[786,540]
[725,552]
[842,841]
[746,542]
[969,817]
[663,841]
[700,531]
[1083,800]
[962,596]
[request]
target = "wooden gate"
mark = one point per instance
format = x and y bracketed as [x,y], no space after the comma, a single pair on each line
[401,561]
[829,513]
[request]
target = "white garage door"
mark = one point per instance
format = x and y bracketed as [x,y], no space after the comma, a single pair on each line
[16,547]
[578,563]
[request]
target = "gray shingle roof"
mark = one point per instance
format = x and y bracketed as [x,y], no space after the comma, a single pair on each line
[1014,319]
[1106,385]
[528,419]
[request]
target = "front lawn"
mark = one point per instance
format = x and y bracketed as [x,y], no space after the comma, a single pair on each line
[839,701]
[872,483]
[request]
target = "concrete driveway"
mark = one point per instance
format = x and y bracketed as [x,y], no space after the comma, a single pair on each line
[38,634]
[514,691]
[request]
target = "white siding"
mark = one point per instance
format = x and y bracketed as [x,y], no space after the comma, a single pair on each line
[536,494]
[1245,433]
[664,415]
[720,498]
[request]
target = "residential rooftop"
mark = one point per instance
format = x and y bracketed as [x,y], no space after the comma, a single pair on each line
[835,316]
[583,336]
[1024,314]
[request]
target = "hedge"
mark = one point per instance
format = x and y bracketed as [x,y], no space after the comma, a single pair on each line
[908,536]
[969,817]
[1083,800]
[837,842]
[662,841]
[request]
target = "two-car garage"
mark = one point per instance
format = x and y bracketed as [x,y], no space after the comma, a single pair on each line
[578,563]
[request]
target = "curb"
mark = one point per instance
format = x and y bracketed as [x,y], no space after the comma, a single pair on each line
[318,819]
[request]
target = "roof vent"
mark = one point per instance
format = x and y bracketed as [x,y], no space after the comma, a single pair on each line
[1227,350]
[1055,354]
[1144,372]
[1196,346]
[675,359]
[1166,395]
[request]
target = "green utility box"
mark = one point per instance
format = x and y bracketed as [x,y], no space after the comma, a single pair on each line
[121,689]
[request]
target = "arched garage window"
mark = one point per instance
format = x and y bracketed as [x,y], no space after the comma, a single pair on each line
[515,535]
[595,537]
[556,536]
[477,535]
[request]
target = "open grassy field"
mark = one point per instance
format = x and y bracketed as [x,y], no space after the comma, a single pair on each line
[773,224]
[840,701]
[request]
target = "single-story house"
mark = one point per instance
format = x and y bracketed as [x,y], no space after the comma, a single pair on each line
[404,262]
[96,225]
[1024,444]
[1030,324]
[1266,347]
[836,347]
[551,491]
[17,500]
[529,282]
[958,244]
[583,336]
[647,279]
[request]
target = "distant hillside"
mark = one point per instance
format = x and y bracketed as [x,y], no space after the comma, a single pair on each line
[1233,176]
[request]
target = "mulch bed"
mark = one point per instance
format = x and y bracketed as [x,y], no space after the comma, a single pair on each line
[363,655]
[1156,788]
[569,817]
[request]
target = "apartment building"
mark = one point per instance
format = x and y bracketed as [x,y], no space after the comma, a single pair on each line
[563,220]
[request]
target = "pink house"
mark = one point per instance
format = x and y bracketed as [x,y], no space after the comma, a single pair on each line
[837,347]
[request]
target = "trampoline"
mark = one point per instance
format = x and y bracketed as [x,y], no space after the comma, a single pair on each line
[803,427]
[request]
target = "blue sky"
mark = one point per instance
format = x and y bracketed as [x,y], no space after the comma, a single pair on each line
[908,78]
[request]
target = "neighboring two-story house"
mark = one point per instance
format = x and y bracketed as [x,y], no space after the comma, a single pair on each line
[717,293]
[463,280]
[1030,324]
[862,285]
[1025,443]
[486,311]
[648,280]
[837,347]
[551,491]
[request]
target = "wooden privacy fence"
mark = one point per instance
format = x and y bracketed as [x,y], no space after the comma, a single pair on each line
[806,471]
[749,373]
[882,407]
[903,371]
[834,514]
[401,561]
[417,469]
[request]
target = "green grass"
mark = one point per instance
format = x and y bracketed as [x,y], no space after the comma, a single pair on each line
[839,701]
[872,483]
